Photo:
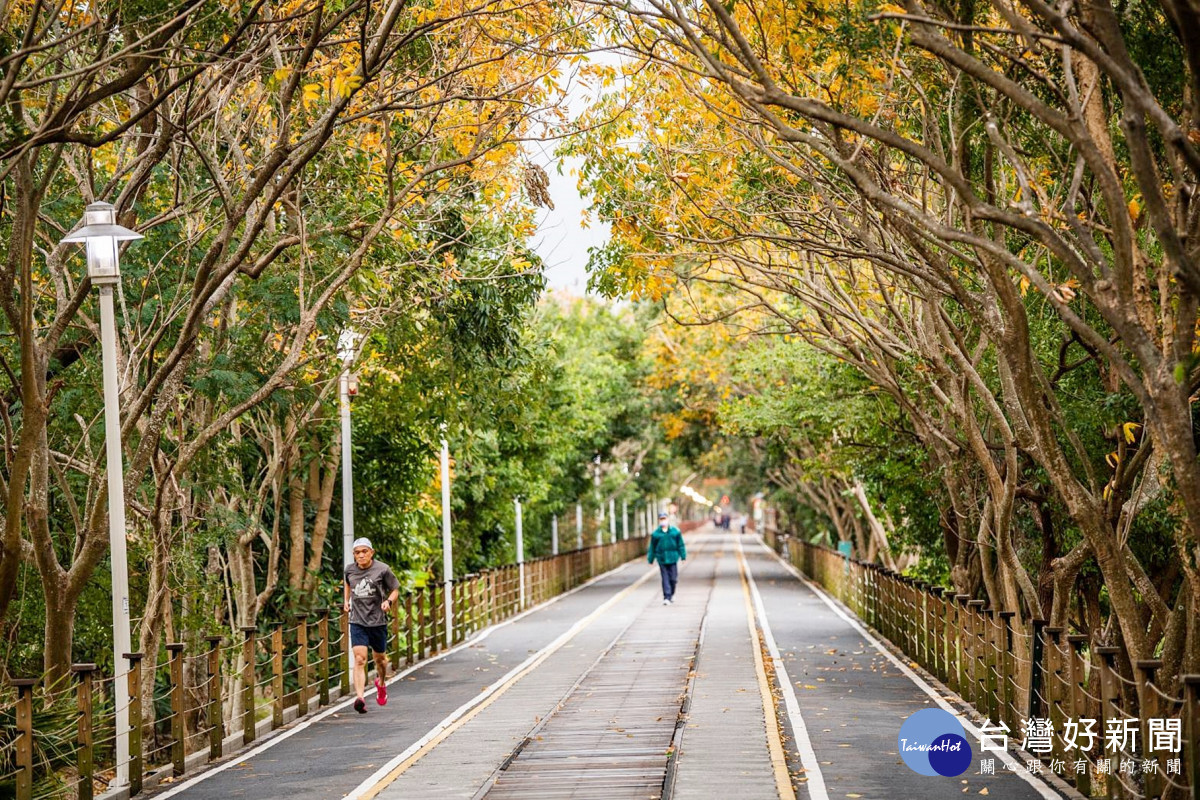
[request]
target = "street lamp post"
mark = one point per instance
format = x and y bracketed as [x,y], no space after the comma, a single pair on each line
[520,553]
[612,519]
[347,389]
[624,518]
[599,501]
[102,235]
[447,544]
[554,535]
[579,526]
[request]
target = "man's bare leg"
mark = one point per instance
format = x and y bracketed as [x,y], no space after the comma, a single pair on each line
[360,671]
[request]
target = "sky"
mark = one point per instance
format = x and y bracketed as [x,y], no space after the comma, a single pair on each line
[561,240]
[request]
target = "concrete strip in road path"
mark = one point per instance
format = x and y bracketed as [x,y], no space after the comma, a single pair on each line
[854,695]
[457,761]
[724,750]
[612,738]
[463,759]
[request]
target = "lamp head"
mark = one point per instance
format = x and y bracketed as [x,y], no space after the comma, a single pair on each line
[101,234]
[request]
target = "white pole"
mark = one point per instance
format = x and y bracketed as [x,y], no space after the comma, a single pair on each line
[447,545]
[520,553]
[116,528]
[624,518]
[554,535]
[347,493]
[612,519]
[579,526]
[347,473]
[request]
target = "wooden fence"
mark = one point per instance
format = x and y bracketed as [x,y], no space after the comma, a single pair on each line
[1012,672]
[224,692]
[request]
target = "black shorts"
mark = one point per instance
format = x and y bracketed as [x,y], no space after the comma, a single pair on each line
[372,636]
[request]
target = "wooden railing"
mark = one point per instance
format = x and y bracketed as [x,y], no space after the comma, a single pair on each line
[1012,672]
[221,694]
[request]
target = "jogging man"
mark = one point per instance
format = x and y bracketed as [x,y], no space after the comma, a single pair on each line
[370,591]
[666,545]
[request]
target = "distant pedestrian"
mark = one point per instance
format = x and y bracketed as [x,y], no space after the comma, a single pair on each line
[667,547]
[370,591]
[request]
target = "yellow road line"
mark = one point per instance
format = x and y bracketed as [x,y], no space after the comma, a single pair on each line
[579,626]
[783,780]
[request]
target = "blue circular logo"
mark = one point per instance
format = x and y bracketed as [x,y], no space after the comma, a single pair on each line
[932,742]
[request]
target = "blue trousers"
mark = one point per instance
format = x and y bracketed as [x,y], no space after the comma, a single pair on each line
[670,577]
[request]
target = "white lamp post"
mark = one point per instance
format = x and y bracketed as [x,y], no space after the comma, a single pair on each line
[520,552]
[447,543]
[612,519]
[103,235]
[554,535]
[348,388]
[579,526]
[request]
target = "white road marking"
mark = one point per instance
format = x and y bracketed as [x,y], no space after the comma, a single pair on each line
[1041,788]
[808,757]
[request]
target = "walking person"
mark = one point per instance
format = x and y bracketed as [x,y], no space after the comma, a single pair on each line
[370,591]
[667,547]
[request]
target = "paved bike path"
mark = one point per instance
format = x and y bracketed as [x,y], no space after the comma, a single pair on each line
[853,700]
[329,757]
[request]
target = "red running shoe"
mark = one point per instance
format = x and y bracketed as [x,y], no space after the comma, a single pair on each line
[380,692]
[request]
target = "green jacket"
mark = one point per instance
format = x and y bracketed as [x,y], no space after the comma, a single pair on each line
[667,547]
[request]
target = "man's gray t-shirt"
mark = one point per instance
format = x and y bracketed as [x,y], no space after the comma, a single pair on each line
[368,589]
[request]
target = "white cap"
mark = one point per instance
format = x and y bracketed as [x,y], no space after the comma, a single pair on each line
[361,541]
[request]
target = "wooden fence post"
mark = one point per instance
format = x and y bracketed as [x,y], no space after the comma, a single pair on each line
[978,678]
[85,756]
[248,679]
[1191,716]
[992,663]
[216,722]
[24,688]
[277,676]
[958,649]
[1075,642]
[1053,683]
[1008,705]
[1148,709]
[302,659]
[323,653]
[421,623]
[396,644]
[136,755]
[1037,653]
[409,652]
[437,618]
[1108,695]
[177,728]
[345,655]
[921,597]
[936,622]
